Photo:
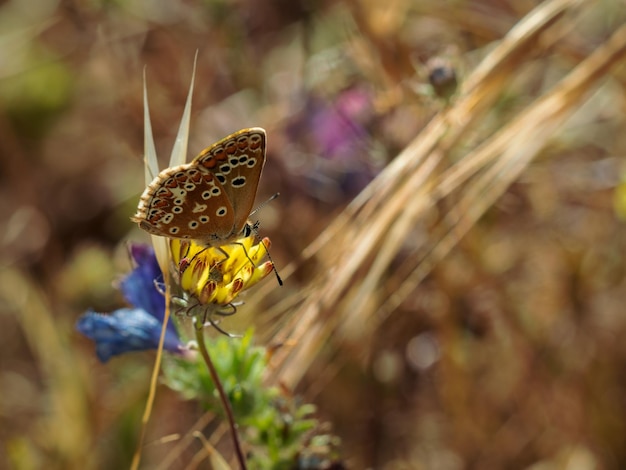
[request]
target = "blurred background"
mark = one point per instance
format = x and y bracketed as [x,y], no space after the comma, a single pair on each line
[507,355]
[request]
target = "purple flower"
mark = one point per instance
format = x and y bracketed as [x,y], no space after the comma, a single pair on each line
[338,126]
[336,134]
[133,329]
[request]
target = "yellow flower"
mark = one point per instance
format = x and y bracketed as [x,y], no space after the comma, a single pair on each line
[217,275]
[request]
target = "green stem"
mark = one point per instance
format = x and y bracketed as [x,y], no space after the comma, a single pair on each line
[218,384]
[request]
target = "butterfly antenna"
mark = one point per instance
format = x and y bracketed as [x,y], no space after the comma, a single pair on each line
[278,278]
[262,205]
[255,229]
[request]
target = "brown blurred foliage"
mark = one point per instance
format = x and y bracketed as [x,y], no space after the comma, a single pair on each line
[506,354]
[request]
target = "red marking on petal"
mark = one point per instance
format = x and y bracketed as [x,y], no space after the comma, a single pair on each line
[237,286]
[207,291]
[198,267]
[183,265]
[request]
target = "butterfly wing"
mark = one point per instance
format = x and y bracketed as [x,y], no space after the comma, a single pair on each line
[237,162]
[186,202]
[210,198]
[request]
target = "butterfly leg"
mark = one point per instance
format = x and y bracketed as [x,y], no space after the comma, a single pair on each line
[159,286]
[181,302]
[196,255]
[244,250]
[208,321]
[227,256]
[228,310]
[214,325]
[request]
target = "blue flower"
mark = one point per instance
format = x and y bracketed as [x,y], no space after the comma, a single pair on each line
[126,329]
[133,329]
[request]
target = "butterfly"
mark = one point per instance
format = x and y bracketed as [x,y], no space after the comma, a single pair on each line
[210,199]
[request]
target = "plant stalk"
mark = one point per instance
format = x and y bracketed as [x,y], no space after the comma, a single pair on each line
[199,327]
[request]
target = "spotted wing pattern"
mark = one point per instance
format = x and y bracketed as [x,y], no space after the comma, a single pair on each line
[210,198]
[237,162]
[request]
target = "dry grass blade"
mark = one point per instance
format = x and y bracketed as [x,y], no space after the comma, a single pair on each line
[352,292]
[513,148]
[67,406]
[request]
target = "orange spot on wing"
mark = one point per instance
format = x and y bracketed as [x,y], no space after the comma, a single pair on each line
[158,203]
